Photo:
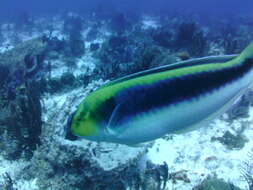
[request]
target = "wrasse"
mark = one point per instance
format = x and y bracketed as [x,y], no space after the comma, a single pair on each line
[169,99]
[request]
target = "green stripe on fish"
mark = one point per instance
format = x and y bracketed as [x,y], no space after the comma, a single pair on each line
[149,104]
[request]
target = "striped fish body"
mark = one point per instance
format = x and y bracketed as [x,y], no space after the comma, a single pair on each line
[170,99]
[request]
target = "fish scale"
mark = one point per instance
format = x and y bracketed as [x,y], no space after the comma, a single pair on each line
[147,105]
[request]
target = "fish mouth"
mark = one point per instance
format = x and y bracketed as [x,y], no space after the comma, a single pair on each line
[68,134]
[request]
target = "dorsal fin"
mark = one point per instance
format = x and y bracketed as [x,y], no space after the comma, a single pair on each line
[195,61]
[247,53]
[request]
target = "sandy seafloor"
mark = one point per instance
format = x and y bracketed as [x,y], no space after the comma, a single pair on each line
[192,152]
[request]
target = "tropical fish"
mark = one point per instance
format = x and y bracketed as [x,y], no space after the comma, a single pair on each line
[170,99]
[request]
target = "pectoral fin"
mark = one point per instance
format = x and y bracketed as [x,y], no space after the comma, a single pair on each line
[115,116]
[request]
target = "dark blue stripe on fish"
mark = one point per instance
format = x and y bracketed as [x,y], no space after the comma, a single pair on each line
[142,98]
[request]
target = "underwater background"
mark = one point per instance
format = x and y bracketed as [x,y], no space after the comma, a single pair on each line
[54,53]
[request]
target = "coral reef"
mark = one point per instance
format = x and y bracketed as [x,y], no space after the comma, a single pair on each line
[122,55]
[115,53]
[43,80]
[83,164]
[21,123]
[88,166]
[20,98]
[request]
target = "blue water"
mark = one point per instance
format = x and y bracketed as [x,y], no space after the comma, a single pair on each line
[11,8]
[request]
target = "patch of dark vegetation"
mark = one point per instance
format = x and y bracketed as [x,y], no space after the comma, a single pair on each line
[67,171]
[115,53]
[66,82]
[20,117]
[75,45]
[231,141]
[187,36]
[233,39]
[215,184]
[191,37]
[163,36]
[127,54]
[21,122]
[55,45]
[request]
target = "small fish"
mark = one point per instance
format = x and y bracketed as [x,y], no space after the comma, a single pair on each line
[170,99]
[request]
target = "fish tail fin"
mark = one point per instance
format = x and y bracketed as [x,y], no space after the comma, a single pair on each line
[247,53]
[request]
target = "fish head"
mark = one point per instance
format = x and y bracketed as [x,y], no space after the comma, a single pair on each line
[92,117]
[84,123]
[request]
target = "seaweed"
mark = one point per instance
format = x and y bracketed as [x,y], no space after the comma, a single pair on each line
[159,173]
[22,122]
[186,32]
[67,166]
[132,178]
[20,117]
[148,57]
[215,184]
[66,82]
[117,50]
[126,54]
[231,45]
[163,36]
[191,37]
[73,27]
[8,183]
